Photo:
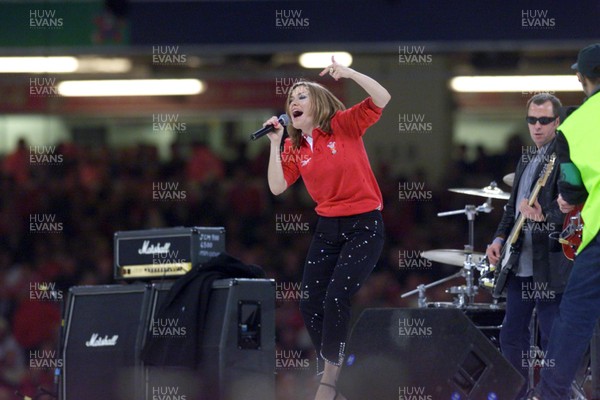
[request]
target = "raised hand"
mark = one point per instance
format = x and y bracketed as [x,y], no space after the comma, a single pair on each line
[336,70]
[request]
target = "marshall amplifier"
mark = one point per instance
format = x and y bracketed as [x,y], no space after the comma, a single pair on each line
[165,252]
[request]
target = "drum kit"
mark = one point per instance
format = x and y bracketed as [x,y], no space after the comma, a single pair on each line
[487,317]
[470,263]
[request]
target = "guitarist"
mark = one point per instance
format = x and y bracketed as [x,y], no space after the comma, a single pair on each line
[539,270]
[577,148]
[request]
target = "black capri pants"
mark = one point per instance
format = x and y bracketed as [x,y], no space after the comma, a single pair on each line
[342,254]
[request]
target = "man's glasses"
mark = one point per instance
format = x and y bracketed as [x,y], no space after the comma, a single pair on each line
[542,120]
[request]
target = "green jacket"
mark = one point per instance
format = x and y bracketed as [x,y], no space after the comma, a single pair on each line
[579,155]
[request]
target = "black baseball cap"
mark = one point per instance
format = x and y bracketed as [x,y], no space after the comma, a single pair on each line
[588,61]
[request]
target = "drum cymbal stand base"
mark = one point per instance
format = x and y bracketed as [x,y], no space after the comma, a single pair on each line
[422,302]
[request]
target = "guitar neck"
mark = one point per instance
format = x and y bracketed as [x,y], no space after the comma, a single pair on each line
[534,194]
[516,230]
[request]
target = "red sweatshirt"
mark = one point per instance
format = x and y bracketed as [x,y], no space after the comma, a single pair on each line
[337,172]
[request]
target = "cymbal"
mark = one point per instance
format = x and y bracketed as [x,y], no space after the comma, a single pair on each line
[451,257]
[489,191]
[509,179]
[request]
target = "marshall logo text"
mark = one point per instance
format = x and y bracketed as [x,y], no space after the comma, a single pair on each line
[147,248]
[97,341]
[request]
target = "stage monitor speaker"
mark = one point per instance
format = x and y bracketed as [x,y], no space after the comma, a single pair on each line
[397,354]
[238,346]
[102,342]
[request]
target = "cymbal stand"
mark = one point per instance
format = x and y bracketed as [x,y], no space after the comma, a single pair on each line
[470,211]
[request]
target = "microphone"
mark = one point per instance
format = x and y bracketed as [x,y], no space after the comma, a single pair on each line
[283,120]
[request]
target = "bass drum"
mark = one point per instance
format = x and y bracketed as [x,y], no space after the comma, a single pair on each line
[487,317]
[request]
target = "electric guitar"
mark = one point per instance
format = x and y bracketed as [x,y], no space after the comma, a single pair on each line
[570,237]
[510,251]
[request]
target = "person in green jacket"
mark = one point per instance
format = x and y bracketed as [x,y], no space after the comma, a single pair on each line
[578,147]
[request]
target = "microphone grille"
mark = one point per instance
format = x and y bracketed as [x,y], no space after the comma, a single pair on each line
[284,119]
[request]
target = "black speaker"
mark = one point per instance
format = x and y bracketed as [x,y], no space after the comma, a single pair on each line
[105,328]
[102,341]
[238,346]
[426,354]
[168,382]
[238,351]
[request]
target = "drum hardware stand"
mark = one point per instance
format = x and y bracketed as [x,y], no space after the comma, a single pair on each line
[533,335]
[422,302]
[467,293]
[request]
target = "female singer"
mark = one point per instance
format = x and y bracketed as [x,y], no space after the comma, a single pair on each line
[326,149]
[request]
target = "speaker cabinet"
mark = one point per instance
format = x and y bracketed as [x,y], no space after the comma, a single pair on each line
[239,344]
[106,328]
[162,382]
[102,342]
[423,353]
